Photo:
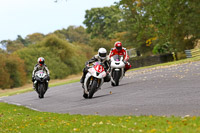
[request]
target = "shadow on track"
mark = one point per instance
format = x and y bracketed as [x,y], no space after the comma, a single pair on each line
[101,96]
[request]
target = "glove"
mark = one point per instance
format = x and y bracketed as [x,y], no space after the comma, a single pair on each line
[87,67]
[33,79]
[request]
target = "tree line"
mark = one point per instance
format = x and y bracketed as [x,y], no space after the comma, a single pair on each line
[150,26]
[65,52]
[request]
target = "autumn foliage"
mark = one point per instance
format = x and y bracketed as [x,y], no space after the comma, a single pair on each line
[12,71]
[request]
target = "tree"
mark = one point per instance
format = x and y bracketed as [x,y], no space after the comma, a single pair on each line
[77,34]
[4,75]
[104,22]
[4,43]
[13,46]
[177,22]
[174,23]
[34,38]
[97,43]
[21,40]
[137,28]
[12,71]
[62,58]
[74,34]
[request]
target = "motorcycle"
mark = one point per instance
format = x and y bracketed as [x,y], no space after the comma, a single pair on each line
[94,79]
[41,83]
[117,69]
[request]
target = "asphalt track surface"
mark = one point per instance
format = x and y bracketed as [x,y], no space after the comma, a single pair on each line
[161,91]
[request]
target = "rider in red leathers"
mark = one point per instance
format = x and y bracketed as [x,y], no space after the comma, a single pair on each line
[119,50]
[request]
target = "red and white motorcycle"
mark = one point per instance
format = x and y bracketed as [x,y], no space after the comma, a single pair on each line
[94,79]
[117,69]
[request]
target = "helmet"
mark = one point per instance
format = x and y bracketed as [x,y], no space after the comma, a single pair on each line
[102,53]
[118,45]
[41,61]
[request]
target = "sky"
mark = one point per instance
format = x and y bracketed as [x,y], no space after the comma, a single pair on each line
[24,17]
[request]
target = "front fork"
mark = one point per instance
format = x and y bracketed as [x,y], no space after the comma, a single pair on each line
[86,87]
[35,84]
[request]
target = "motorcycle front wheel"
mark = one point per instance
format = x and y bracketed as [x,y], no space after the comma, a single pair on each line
[41,90]
[116,76]
[93,88]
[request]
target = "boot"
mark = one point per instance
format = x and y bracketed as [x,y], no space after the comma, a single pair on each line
[34,87]
[83,86]
[124,72]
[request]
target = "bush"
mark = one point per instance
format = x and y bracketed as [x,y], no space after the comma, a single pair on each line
[61,57]
[68,53]
[12,72]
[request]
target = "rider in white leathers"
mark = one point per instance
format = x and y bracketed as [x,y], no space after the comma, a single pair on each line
[101,57]
[40,66]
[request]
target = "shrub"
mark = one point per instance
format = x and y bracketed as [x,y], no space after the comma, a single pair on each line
[12,72]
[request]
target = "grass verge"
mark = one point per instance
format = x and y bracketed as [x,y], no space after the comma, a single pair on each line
[188,60]
[20,119]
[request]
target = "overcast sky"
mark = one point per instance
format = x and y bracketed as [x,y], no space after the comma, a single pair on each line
[23,17]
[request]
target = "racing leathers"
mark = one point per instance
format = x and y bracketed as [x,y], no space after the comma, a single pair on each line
[95,58]
[122,52]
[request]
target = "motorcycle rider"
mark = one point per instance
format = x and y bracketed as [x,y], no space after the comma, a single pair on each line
[101,57]
[40,66]
[119,50]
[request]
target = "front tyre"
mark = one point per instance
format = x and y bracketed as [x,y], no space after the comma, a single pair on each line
[41,90]
[116,77]
[93,88]
[112,83]
[85,95]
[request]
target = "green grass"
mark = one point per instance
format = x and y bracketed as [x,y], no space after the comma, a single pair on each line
[20,119]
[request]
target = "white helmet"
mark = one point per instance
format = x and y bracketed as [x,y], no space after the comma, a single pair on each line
[102,53]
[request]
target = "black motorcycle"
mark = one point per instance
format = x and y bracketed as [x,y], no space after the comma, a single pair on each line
[41,83]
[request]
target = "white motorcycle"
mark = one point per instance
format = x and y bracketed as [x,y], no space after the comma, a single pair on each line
[94,79]
[41,83]
[117,69]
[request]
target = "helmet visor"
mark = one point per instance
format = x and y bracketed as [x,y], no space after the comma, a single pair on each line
[102,54]
[41,63]
[119,48]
